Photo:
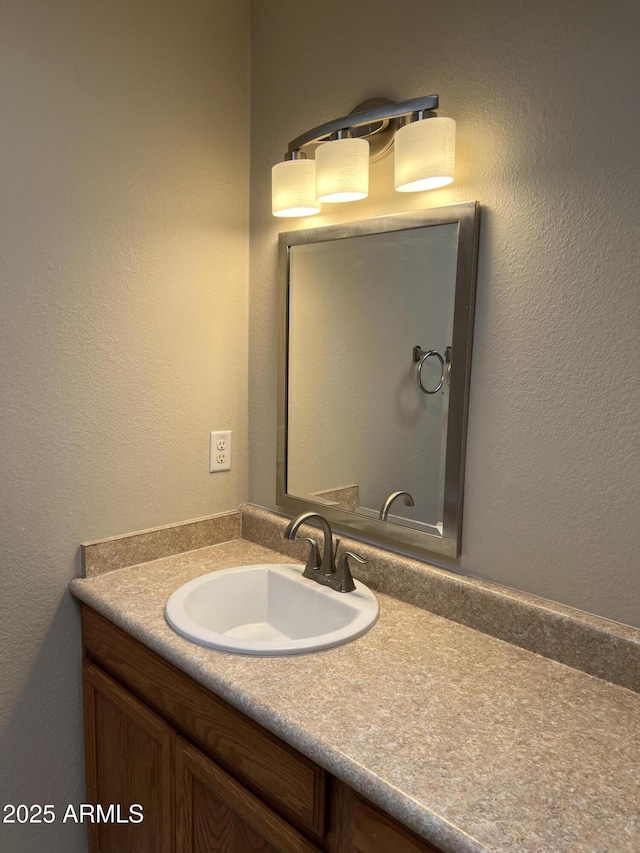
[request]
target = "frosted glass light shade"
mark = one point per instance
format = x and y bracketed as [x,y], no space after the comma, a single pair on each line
[425,154]
[342,170]
[293,188]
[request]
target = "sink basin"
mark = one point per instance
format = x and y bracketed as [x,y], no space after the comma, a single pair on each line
[268,610]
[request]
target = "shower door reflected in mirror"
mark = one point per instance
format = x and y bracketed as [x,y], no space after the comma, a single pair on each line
[376,337]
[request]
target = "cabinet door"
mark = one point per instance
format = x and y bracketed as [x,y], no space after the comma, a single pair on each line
[372,831]
[129,760]
[358,826]
[216,814]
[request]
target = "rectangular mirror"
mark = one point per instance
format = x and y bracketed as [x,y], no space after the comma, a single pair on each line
[375,356]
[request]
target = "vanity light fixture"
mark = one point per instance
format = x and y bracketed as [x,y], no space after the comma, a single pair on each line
[424,155]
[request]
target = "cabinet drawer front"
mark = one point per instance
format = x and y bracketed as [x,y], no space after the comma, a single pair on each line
[294,786]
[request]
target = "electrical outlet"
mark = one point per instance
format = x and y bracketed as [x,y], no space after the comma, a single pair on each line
[220,451]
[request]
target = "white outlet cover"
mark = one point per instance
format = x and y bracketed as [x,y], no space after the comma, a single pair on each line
[219,460]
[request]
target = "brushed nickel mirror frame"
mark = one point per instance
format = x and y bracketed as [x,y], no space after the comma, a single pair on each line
[396,537]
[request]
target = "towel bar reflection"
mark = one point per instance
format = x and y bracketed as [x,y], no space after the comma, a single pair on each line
[421,357]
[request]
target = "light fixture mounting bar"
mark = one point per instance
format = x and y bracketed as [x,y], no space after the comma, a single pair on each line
[400,109]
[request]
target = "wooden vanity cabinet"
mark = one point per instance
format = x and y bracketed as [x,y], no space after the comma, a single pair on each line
[208,778]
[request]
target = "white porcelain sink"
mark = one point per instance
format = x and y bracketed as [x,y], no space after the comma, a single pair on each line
[268,610]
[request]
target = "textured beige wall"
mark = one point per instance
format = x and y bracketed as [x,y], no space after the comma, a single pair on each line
[123,326]
[545,96]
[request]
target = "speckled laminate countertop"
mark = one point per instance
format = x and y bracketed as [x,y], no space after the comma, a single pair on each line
[475,744]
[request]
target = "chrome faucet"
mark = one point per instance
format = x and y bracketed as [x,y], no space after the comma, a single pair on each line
[386,506]
[323,569]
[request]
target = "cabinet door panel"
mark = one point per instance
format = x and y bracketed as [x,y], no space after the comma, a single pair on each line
[216,814]
[217,829]
[129,757]
[373,831]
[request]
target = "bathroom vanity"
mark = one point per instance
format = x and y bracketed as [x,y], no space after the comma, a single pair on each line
[207,775]
[423,734]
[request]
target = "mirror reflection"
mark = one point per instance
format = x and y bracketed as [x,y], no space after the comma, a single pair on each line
[373,372]
[360,427]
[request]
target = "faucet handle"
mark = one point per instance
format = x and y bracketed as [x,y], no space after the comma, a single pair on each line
[313,560]
[342,580]
[344,558]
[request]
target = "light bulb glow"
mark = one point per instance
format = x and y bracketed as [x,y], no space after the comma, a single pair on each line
[293,188]
[342,170]
[425,154]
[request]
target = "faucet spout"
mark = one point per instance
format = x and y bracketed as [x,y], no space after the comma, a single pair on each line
[327,563]
[386,506]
